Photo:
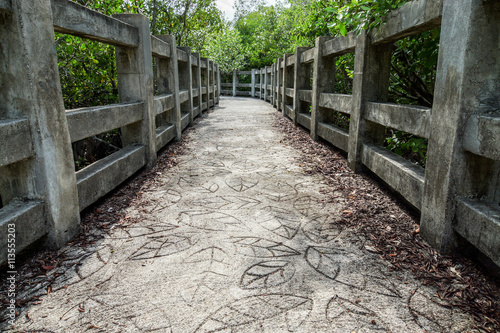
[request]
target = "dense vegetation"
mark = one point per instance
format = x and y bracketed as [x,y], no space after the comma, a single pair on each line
[255,37]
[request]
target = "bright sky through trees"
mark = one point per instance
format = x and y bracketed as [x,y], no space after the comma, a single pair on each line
[227,6]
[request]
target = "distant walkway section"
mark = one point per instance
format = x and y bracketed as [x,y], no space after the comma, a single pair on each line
[236,238]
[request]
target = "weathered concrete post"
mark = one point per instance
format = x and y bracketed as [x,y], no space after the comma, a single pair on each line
[253,83]
[287,83]
[467,86]
[272,84]
[207,73]
[265,83]
[279,84]
[204,84]
[172,76]
[197,83]
[275,84]
[217,96]
[261,83]
[323,82]
[186,83]
[210,82]
[30,89]
[300,79]
[370,83]
[213,85]
[134,67]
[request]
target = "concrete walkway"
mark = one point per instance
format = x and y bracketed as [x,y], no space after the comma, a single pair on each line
[236,239]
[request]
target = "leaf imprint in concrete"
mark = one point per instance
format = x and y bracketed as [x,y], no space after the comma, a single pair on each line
[353,316]
[281,222]
[211,263]
[241,184]
[279,191]
[79,266]
[162,199]
[245,166]
[370,283]
[252,313]
[149,229]
[219,155]
[161,246]
[320,229]
[267,274]
[198,184]
[213,163]
[308,205]
[428,313]
[228,202]
[262,248]
[325,261]
[210,220]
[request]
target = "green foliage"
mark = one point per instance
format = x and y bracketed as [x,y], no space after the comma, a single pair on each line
[107,7]
[87,71]
[357,15]
[264,39]
[226,49]
[414,65]
[407,145]
[341,120]
[344,73]
[90,150]
[190,21]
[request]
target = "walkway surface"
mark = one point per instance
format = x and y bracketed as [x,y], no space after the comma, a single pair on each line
[236,238]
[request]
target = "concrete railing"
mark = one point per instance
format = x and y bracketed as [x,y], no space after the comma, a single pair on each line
[258,77]
[231,88]
[41,194]
[458,193]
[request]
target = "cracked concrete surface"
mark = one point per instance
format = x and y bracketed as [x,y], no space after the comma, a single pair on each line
[236,238]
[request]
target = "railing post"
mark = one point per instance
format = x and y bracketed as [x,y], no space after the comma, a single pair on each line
[276,83]
[272,84]
[265,83]
[299,81]
[467,85]
[207,73]
[212,86]
[217,95]
[287,83]
[323,82]
[204,84]
[235,77]
[173,81]
[370,83]
[261,83]
[186,82]
[30,88]
[197,78]
[253,83]
[135,83]
[279,83]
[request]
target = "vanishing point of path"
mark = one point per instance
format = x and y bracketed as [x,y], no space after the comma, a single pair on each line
[236,238]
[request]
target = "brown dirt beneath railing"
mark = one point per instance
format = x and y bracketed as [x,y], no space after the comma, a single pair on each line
[391,230]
